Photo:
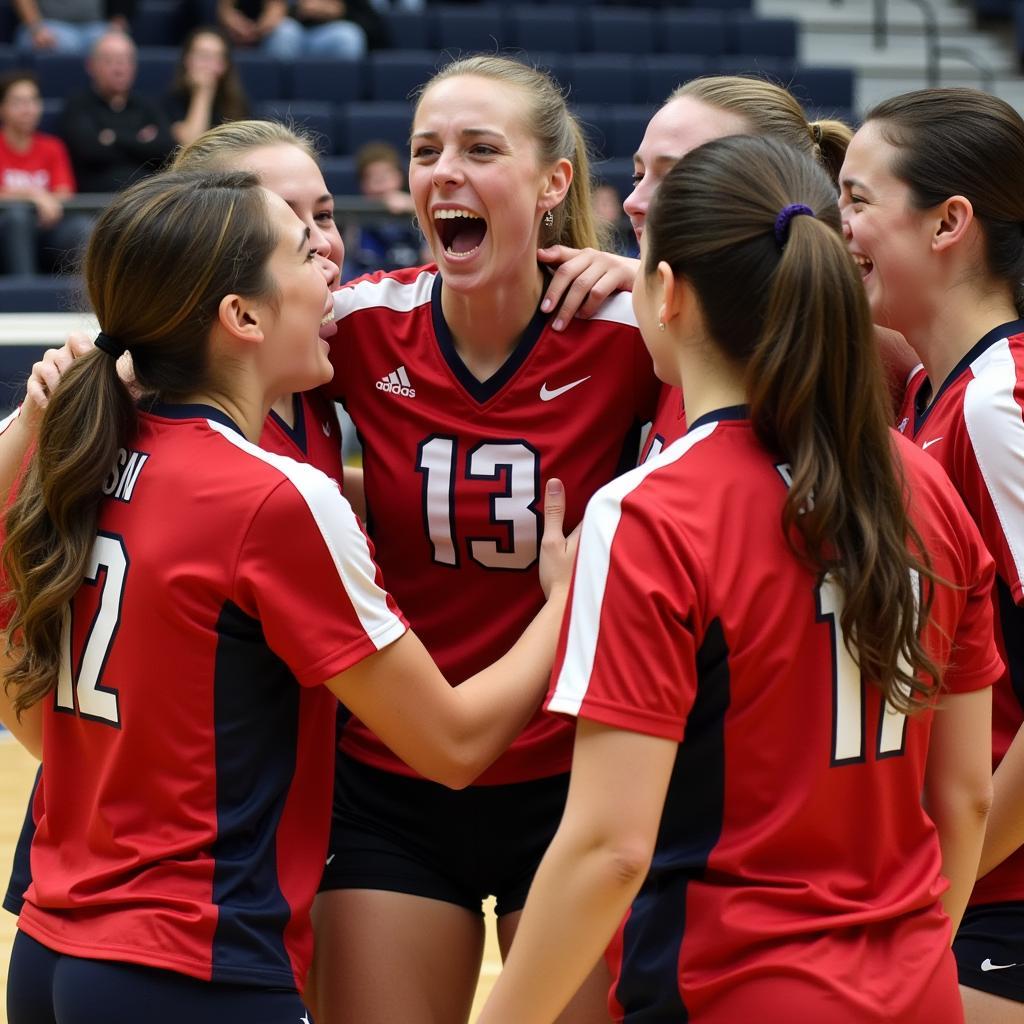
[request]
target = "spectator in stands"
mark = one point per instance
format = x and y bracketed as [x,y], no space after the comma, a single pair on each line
[66,26]
[114,134]
[311,28]
[34,234]
[206,90]
[384,246]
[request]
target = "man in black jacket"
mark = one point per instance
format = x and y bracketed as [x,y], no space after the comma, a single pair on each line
[114,135]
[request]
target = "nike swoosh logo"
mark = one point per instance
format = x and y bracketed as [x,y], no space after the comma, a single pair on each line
[546,394]
[928,444]
[327,429]
[987,965]
[329,859]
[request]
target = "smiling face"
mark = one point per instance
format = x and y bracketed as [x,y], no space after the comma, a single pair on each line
[293,356]
[890,239]
[476,180]
[680,125]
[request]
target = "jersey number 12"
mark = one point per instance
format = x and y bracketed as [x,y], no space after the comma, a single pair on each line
[84,690]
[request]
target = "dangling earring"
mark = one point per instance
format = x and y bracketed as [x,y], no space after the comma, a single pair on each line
[549,219]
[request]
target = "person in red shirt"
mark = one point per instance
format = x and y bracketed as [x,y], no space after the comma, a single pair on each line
[466,399]
[205,603]
[779,637]
[34,167]
[933,210]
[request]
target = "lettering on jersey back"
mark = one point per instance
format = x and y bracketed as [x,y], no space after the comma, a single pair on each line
[120,485]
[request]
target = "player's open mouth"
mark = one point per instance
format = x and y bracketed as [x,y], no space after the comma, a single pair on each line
[459,230]
[328,319]
[864,265]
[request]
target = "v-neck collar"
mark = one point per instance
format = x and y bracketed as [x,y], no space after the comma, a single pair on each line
[298,432]
[1006,330]
[482,391]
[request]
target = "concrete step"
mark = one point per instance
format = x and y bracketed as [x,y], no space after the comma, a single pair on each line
[825,46]
[842,35]
[903,17]
[873,86]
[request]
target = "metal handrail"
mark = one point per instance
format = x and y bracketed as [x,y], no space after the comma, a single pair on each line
[935,49]
[986,76]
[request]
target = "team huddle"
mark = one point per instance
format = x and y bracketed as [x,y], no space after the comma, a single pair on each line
[677,604]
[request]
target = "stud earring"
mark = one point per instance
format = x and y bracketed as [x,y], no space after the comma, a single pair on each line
[661,326]
[549,219]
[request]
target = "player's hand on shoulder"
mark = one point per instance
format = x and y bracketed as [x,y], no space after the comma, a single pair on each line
[46,373]
[557,552]
[584,280]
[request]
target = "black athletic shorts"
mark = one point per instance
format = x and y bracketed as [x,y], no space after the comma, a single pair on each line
[409,835]
[44,987]
[989,949]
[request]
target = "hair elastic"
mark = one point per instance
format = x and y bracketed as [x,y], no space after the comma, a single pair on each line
[786,214]
[112,346]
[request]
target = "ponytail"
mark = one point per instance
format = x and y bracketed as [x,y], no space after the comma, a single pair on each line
[51,525]
[801,328]
[161,257]
[832,137]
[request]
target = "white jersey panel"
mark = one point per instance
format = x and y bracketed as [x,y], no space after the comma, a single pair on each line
[384,293]
[592,564]
[995,425]
[342,535]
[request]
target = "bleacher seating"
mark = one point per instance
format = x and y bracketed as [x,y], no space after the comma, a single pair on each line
[621,58]
[616,60]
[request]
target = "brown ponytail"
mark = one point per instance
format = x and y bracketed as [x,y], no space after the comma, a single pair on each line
[161,257]
[801,327]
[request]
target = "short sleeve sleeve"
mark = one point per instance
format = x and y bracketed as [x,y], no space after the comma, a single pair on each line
[306,571]
[627,655]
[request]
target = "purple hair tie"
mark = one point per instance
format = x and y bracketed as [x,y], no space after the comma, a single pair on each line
[786,214]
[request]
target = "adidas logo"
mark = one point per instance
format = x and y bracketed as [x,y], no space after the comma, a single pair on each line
[397,383]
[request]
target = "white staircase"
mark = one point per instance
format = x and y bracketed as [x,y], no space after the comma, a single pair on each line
[841,34]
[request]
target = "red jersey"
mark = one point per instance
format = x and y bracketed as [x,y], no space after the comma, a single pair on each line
[44,165]
[793,820]
[669,423]
[974,429]
[315,437]
[453,471]
[189,742]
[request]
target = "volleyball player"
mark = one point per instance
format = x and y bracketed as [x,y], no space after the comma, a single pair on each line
[815,651]
[933,209]
[301,426]
[703,109]
[465,399]
[213,588]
